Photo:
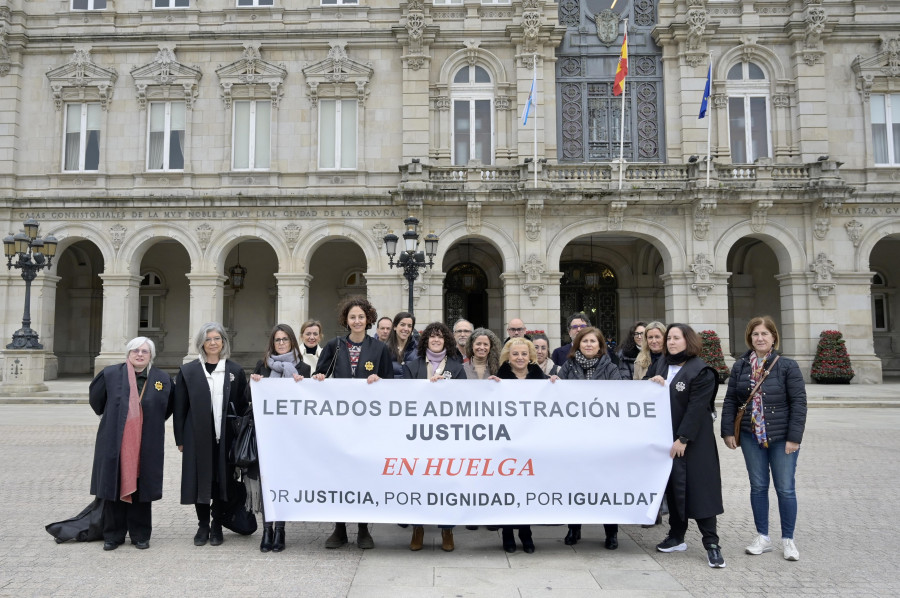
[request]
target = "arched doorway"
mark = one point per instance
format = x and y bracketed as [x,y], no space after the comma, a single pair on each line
[753,288]
[78,313]
[250,303]
[338,271]
[589,287]
[885,310]
[164,304]
[472,285]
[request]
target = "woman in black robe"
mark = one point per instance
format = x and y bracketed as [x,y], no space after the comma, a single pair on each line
[695,485]
[134,400]
[356,355]
[203,390]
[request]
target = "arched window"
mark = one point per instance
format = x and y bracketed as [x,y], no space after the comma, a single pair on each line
[473,116]
[748,113]
[879,303]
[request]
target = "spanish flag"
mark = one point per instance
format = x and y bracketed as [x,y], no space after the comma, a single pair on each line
[622,69]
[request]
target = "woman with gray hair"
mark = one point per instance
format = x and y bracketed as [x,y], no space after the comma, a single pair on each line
[203,390]
[483,351]
[133,400]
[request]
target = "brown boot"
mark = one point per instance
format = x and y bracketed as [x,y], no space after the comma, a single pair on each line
[447,540]
[418,537]
[338,537]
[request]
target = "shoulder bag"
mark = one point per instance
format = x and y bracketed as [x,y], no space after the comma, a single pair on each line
[743,408]
[243,449]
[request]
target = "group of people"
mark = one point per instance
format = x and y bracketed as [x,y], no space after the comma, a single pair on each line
[134,399]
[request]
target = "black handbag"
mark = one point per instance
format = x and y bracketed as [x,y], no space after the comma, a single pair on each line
[86,526]
[237,517]
[243,449]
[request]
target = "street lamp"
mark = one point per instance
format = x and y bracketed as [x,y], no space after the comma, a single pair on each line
[411,260]
[32,254]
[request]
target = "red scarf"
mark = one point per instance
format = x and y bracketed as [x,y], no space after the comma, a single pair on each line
[130,455]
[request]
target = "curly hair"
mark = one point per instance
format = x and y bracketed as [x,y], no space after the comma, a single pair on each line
[363,304]
[437,329]
[532,354]
[493,357]
[628,344]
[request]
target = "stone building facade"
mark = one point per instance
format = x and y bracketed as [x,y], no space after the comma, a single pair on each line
[165,141]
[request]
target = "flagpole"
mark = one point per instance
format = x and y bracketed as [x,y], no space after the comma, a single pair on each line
[622,127]
[534,82]
[709,130]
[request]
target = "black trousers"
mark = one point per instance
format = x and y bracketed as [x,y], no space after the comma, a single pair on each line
[217,510]
[678,526]
[611,529]
[120,517]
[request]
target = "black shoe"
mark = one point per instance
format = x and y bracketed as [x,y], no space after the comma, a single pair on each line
[612,542]
[472,527]
[671,544]
[109,545]
[278,544]
[509,541]
[142,544]
[403,525]
[338,537]
[215,534]
[573,536]
[268,537]
[714,556]
[202,536]
[492,528]
[527,545]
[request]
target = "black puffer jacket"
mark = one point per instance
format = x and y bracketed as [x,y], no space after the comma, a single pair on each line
[604,370]
[783,396]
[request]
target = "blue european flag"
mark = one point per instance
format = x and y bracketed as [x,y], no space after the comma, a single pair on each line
[705,103]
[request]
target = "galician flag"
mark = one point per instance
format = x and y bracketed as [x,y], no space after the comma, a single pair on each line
[532,97]
[622,69]
[705,103]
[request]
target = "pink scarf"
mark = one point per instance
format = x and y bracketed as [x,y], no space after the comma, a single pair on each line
[130,455]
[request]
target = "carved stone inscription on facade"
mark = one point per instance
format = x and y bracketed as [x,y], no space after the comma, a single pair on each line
[207,214]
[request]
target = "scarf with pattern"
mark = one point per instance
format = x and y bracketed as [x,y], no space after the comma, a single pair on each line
[757,417]
[586,364]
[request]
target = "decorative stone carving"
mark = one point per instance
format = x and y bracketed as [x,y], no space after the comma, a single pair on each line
[534,270]
[5,61]
[824,269]
[418,290]
[117,234]
[292,234]
[616,214]
[415,62]
[702,212]
[758,214]
[533,210]
[814,18]
[703,284]
[81,79]
[531,29]
[471,51]
[250,76]
[166,79]
[442,103]
[473,218]
[883,65]
[378,232]
[720,100]
[824,211]
[697,20]
[854,231]
[607,22]
[329,77]
[781,100]
[502,102]
[891,48]
[204,234]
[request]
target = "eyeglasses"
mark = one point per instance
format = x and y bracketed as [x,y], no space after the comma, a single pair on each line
[639,334]
[577,326]
[213,339]
[515,330]
[282,340]
[141,351]
[462,332]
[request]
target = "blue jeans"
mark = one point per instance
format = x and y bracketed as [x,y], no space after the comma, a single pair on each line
[760,461]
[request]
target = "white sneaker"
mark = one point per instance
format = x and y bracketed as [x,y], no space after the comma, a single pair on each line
[760,545]
[790,550]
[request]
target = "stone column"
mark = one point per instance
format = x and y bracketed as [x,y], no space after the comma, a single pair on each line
[800,307]
[293,298]
[853,302]
[44,295]
[387,292]
[120,318]
[207,291]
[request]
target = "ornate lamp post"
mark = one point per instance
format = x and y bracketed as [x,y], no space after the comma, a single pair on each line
[410,259]
[32,254]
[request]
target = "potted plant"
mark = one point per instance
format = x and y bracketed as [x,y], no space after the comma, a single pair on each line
[711,353]
[831,365]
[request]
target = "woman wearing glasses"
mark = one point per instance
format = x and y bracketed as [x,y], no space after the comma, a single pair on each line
[630,349]
[282,360]
[203,390]
[133,400]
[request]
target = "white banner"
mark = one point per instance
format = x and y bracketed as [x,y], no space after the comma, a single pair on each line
[462,452]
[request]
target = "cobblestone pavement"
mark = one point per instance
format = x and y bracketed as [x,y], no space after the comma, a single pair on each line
[847,485]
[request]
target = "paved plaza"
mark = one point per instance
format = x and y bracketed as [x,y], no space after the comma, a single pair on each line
[847,487]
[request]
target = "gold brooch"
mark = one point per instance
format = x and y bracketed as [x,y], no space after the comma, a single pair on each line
[370,366]
[158,385]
